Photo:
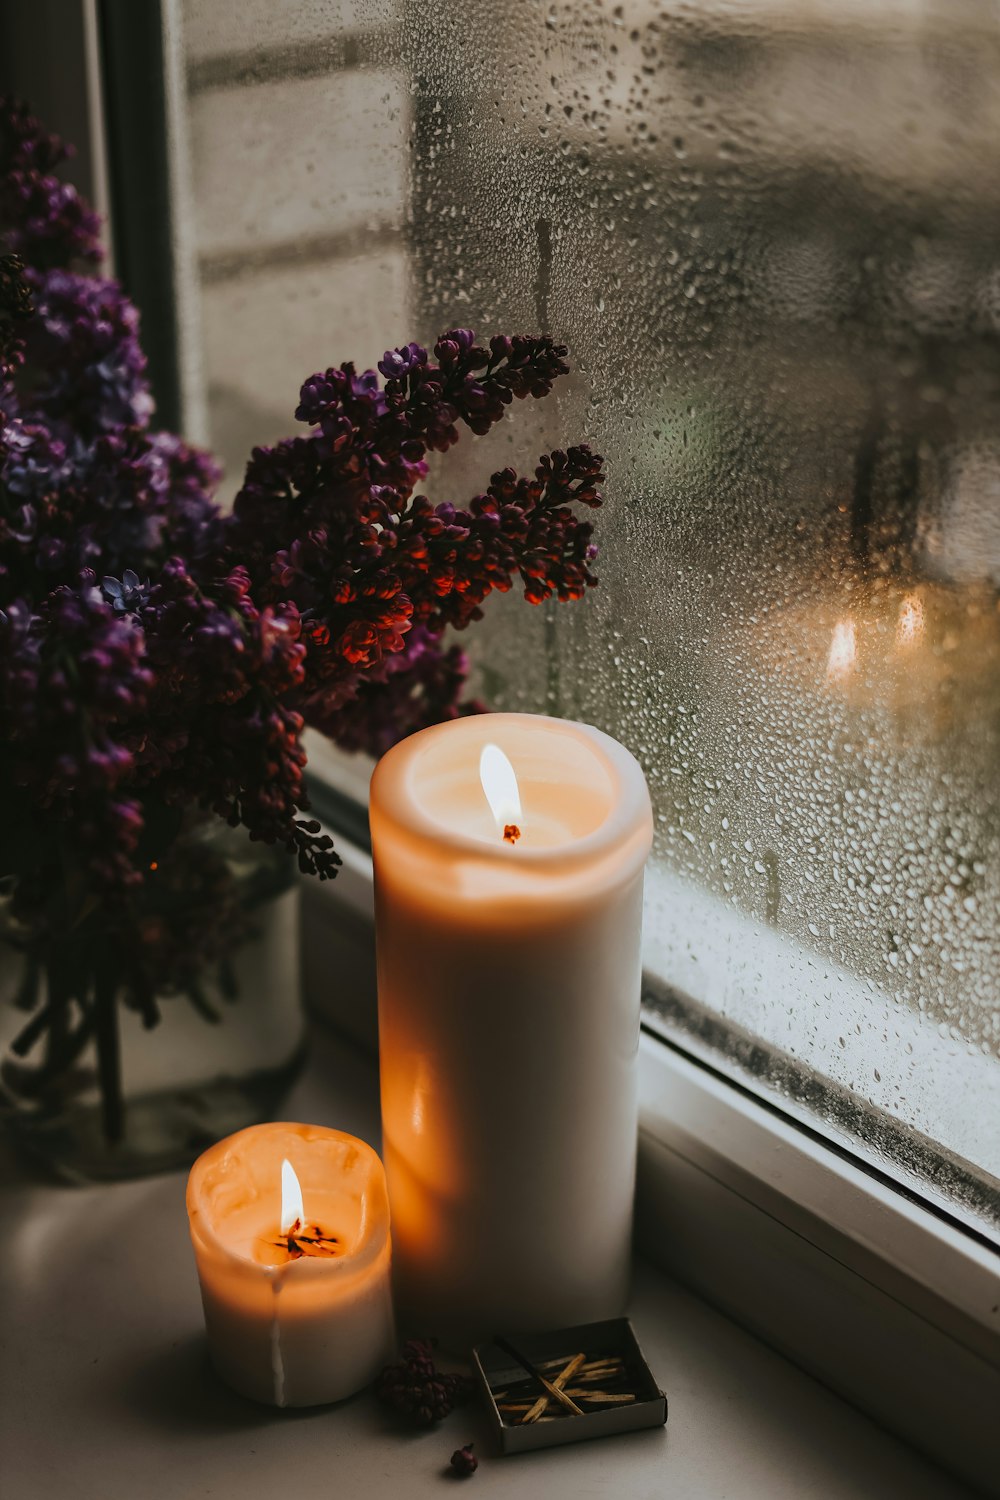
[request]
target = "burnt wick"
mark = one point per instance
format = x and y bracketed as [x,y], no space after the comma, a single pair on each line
[307,1241]
[511,833]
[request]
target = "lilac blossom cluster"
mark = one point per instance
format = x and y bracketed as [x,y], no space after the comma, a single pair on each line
[157,654]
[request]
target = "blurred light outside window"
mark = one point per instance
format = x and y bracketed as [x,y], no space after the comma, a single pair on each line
[769,231]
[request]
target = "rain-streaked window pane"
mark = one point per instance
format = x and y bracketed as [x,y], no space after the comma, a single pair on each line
[770,234]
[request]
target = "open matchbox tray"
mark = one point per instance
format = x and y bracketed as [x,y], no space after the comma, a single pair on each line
[510,1392]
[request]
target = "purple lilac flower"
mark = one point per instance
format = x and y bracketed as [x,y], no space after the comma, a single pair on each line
[157,654]
[15,308]
[126,595]
[83,345]
[421,685]
[47,222]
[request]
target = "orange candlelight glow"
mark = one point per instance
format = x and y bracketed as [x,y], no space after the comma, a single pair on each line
[843,650]
[911,621]
[502,793]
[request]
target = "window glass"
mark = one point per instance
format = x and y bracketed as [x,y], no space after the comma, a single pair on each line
[770,234]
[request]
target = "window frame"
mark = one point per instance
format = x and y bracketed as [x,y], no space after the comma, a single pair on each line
[868,1291]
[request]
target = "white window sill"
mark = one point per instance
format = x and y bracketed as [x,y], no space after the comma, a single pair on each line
[106,1394]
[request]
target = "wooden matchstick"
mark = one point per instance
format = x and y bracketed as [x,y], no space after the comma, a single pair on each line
[541,1406]
[601,1362]
[614,1398]
[536,1374]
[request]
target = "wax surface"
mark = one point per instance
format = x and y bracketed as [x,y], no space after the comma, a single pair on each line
[565,796]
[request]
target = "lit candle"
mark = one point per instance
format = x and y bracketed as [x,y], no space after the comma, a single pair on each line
[509,853]
[290,1227]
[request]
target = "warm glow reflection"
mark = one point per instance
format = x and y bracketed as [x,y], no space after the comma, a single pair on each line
[843,650]
[911,621]
[500,785]
[293,1215]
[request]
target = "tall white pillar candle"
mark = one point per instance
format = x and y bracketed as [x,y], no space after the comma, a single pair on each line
[509,979]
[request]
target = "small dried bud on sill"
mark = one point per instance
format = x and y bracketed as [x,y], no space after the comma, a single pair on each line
[464,1462]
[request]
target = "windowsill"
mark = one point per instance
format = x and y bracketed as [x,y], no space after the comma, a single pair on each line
[103,1341]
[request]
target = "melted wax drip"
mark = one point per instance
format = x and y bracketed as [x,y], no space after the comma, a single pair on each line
[277,1363]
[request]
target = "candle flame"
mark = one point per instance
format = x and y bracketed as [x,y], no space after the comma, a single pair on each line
[911,621]
[293,1215]
[843,650]
[500,785]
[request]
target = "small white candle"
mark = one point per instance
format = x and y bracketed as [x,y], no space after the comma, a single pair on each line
[290,1227]
[508,923]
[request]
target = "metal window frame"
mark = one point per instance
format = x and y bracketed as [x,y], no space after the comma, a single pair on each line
[143,83]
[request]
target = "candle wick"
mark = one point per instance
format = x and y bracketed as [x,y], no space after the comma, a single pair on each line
[303,1239]
[511,833]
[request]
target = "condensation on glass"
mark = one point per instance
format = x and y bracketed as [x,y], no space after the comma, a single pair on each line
[770,234]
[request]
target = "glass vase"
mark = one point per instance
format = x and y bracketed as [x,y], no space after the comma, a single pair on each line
[128,1046]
